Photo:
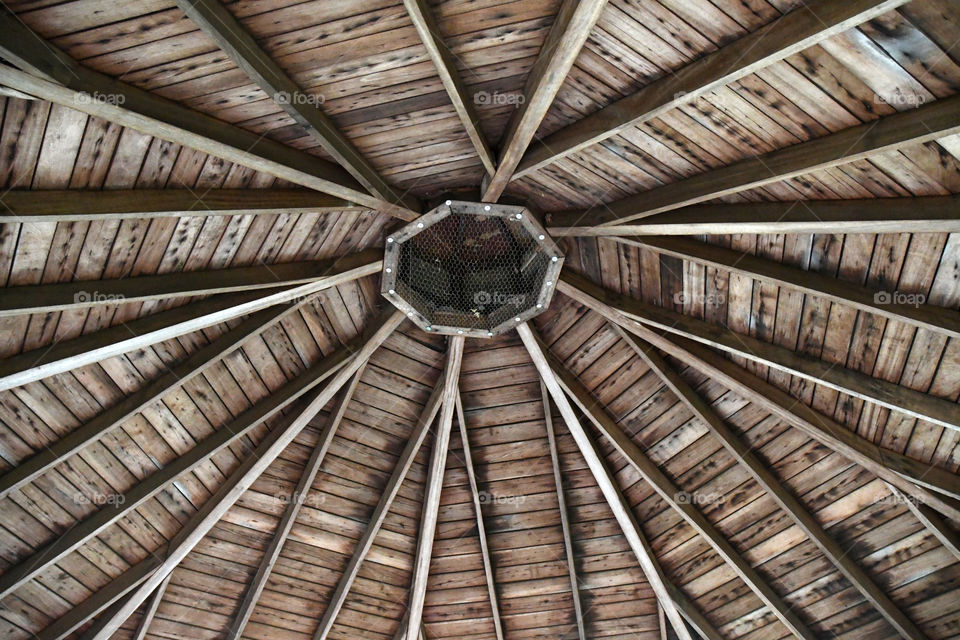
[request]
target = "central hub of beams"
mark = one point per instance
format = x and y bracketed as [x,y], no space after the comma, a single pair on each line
[471,269]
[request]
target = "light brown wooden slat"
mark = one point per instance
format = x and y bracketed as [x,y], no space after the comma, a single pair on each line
[144,625]
[799,29]
[434,484]
[923,124]
[570,30]
[931,520]
[930,214]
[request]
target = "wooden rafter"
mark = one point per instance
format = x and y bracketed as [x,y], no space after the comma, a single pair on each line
[742,453]
[434,484]
[143,626]
[931,121]
[390,491]
[850,381]
[931,214]
[173,378]
[240,480]
[55,77]
[667,594]
[172,323]
[45,298]
[233,38]
[331,367]
[810,23]
[931,520]
[927,483]
[290,512]
[481,527]
[564,517]
[570,30]
[423,19]
[72,205]
[937,319]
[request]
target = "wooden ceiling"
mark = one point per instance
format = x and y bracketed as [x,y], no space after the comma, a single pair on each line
[738,419]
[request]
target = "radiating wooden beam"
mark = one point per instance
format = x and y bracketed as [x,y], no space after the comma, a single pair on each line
[290,512]
[114,416]
[143,626]
[332,367]
[172,323]
[72,205]
[46,298]
[928,483]
[233,38]
[564,517]
[881,303]
[743,453]
[808,24]
[931,214]
[423,19]
[667,594]
[570,30]
[481,527]
[931,520]
[434,484]
[249,470]
[55,77]
[390,491]
[925,123]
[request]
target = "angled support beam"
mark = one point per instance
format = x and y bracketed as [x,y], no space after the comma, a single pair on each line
[881,303]
[289,517]
[923,124]
[674,602]
[931,520]
[860,385]
[929,484]
[561,378]
[790,505]
[173,378]
[332,367]
[564,517]
[172,323]
[423,19]
[46,298]
[481,527]
[72,205]
[233,38]
[53,76]
[431,498]
[390,491]
[567,35]
[930,214]
[240,480]
[144,625]
[803,27]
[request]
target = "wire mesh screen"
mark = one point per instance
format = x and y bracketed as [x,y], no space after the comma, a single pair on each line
[471,268]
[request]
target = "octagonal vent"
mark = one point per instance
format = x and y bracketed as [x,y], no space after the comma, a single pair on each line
[471,269]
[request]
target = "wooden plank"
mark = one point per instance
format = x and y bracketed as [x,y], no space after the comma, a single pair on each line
[930,484]
[923,124]
[564,516]
[800,29]
[404,462]
[71,205]
[45,298]
[99,95]
[93,347]
[931,214]
[144,625]
[481,528]
[882,303]
[171,379]
[570,30]
[434,484]
[240,480]
[231,36]
[931,520]
[289,517]
[743,453]
[667,594]
[423,19]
